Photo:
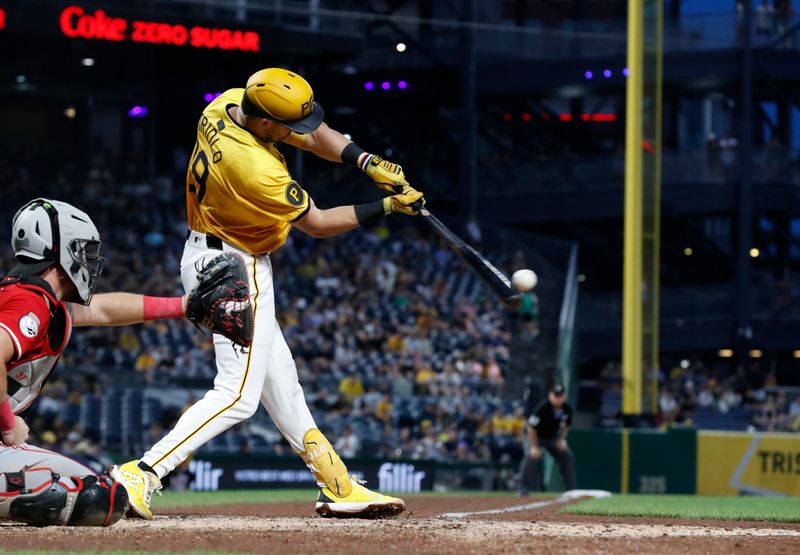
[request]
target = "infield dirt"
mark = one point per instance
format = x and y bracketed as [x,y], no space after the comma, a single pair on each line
[294,528]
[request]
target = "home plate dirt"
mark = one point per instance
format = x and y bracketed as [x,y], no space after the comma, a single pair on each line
[287,528]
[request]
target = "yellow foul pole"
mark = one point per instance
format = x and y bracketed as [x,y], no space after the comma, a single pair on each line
[632,271]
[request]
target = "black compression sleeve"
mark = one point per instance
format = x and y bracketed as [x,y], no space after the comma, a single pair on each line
[351,153]
[369,212]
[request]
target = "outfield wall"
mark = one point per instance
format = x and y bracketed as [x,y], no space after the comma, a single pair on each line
[684,460]
[736,463]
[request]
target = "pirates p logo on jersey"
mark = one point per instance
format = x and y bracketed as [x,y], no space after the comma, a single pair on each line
[29,325]
[294,194]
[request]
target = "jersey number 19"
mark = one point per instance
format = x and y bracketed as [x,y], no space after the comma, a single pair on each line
[200,174]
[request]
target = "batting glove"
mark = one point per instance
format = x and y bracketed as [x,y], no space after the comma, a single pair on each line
[408,202]
[386,175]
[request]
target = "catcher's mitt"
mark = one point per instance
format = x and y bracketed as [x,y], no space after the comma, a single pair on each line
[221,300]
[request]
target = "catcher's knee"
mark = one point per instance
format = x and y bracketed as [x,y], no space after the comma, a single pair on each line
[94,501]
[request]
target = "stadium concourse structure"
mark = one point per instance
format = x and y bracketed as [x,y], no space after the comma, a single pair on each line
[509,115]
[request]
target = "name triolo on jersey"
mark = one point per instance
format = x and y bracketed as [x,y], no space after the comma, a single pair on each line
[211,131]
[238,186]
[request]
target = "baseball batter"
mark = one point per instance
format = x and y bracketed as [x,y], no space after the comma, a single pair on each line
[57,251]
[242,199]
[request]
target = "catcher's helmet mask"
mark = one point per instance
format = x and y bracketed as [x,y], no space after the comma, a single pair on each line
[49,233]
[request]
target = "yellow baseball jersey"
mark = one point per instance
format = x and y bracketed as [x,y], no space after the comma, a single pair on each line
[238,187]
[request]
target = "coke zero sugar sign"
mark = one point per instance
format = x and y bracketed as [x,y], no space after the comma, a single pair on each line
[75,22]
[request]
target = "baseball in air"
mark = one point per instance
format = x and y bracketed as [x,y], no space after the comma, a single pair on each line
[524,280]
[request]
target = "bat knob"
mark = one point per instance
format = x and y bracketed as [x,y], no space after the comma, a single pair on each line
[418,206]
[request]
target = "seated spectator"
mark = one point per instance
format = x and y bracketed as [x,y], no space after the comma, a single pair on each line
[348,444]
[351,387]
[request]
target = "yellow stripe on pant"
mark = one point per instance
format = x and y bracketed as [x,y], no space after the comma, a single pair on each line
[241,386]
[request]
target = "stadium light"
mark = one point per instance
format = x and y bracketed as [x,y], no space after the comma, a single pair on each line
[756,353]
[70,112]
[386,85]
[796,354]
[725,353]
[401,47]
[403,85]
[208,97]
[685,363]
[21,79]
[626,72]
[87,62]
[754,252]
[606,73]
[687,251]
[588,74]
[369,85]
[137,112]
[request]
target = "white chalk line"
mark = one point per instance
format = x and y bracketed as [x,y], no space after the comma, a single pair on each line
[563,498]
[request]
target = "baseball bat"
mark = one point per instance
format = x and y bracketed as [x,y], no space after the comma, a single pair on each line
[485,270]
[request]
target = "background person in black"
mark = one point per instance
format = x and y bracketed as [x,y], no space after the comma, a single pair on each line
[547,428]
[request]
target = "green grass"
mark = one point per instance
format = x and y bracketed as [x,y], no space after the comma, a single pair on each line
[172,499]
[184,499]
[770,509]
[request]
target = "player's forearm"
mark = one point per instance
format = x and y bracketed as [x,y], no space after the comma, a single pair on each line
[119,309]
[3,382]
[533,438]
[326,143]
[330,222]
[6,414]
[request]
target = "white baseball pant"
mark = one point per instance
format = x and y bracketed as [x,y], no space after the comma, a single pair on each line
[266,372]
[38,465]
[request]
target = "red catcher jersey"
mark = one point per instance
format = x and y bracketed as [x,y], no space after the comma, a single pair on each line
[39,327]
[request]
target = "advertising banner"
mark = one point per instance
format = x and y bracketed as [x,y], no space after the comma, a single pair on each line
[737,463]
[210,473]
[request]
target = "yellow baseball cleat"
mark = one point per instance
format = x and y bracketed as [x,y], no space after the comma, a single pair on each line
[360,503]
[140,486]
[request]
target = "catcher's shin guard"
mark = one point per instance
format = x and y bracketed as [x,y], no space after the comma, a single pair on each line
[325,464]
[86,501]
[102,501]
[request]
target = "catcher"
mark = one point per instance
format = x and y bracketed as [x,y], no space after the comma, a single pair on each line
[50,290]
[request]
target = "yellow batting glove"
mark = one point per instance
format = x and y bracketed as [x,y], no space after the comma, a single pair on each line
[386,175]
[408,202]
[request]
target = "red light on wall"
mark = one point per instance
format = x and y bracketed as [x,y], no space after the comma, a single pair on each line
[604,117]
[590,117]
[76,23]
[526,116]
[506,117]
[2,18]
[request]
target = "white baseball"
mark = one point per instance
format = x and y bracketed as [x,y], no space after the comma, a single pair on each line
[524,280]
